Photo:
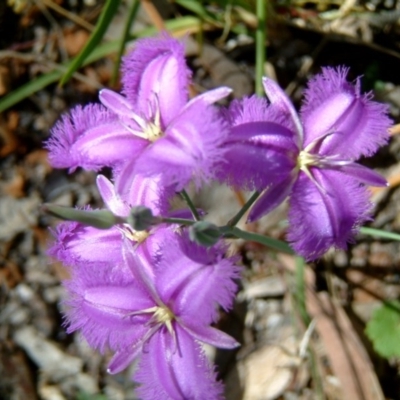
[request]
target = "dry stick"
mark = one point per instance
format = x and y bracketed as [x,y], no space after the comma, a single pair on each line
[69,15]
[305,68]
[56,27]
[29,57]
[154,15]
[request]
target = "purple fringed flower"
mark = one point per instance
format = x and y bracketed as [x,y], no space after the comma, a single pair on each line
[76,243]
[311,157]
[159,313]
[153,129]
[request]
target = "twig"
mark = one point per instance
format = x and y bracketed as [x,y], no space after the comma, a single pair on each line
[154,15]
[69,15]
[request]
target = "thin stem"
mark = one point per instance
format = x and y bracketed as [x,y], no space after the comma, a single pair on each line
[154,15]
[380,233]
[73,17]
[190,204]
[244,209]
[180,221]
[125,37]
[233,232]
[300,290]
[260,45]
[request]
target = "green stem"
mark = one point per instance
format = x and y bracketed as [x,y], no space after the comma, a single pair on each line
[244,209]
[107,14]
[233,232]
[300,290]
[180,221]
[190,204]
[260,45]
[125,37]
[380,233]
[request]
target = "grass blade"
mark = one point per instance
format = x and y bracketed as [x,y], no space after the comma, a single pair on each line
[275,244]
[260,45]
[380,233]
[125,37]
[184,24]
[105,18]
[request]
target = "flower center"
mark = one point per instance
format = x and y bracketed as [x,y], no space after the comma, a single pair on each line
[150,127]
[306,160]
[153,132]
[134,236]
[162,315]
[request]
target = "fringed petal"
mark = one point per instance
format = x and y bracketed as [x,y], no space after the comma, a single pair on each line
[99,306]
[319,220]
[251,165]
[280,101]
[256,109]
[155,74]
[189,149]
[77,244]
[274,195]
[212,336]
[180,370]
[347,123]
[123,358]
[196,279]
[106,145]
[363,174]
[111,198]
[70,129]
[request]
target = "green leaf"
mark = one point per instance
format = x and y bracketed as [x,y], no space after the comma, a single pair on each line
[103,50]
[380,233]
[300,290]
[101,219]
[383,329]
[87,396]
[198,9]
[275,244]
[109,10]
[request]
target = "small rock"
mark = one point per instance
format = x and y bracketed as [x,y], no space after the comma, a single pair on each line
[46,355]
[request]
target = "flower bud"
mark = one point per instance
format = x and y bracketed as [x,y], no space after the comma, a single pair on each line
[140,218]
[204,233]
[101,219]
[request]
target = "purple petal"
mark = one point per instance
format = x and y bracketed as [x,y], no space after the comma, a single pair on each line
[111,198]
[254,165]
[256,109]
[123,358]
[196,285]
[107,145]
[137,189]
[212,336]
[189,149]
[364,174]
[350,124]
[211,96]
[274,195]
[116,299]
[156,71]
[77,244]
[141,269]
[318,221]
[116,103]
[268,133]
[98,305]
[181,374]
[70,128]
[281,101]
